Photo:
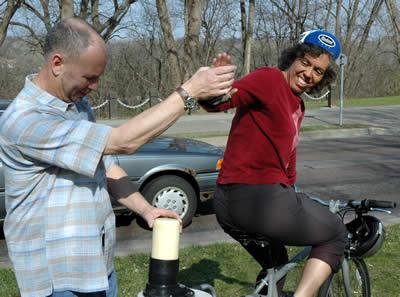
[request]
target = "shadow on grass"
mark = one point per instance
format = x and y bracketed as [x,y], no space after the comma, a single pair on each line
[206,272]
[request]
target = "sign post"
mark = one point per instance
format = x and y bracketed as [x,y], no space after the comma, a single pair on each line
[341,62]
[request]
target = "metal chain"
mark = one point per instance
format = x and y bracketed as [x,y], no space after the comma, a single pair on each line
[101,105]
[319,98]
[125,105]
[133,107]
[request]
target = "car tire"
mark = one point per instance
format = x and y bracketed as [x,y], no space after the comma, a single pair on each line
[174,193]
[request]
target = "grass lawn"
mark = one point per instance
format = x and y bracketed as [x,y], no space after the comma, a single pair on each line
[232,272]
[356,102]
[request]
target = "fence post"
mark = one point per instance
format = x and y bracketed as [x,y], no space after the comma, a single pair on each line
[113,109]
[154,101]
[332,95]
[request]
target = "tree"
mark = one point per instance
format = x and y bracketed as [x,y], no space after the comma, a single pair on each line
[218,25]
[7,9]
[105,17]
[247,22]
[164,41]
[395,18]
[192,33]
[172,53]
[67,9]
[296,14]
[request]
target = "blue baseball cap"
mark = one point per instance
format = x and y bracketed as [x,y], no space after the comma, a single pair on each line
[323,39]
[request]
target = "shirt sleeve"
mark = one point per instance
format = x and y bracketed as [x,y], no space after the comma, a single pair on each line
[109,162]
[75,145]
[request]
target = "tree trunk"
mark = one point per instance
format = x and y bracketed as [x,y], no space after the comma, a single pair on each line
[243,21]
[353,63]
[192,33]
[394,15]
[338,32]
[328,9]
[172,54]
[67,9]
[351,25]
[249,37]
[372,17]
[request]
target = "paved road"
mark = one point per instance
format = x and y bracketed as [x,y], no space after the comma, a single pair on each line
[380,116]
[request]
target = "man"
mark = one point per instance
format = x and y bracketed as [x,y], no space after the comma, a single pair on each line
[60,227]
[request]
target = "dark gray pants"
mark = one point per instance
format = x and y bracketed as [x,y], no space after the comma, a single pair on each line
[284,217]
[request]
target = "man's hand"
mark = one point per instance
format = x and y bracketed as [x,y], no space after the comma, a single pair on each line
[214,81]
[222,60]
[122,189]
[151,213]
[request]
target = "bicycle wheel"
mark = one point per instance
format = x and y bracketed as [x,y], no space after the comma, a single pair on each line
[358,281]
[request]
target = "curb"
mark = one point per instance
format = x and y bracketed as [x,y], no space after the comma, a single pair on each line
[220,141]
[350,132]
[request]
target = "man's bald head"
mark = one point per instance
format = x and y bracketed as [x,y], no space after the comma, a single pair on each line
[71,37]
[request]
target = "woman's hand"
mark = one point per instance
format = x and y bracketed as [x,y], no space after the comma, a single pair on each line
[224,60]
[221,60]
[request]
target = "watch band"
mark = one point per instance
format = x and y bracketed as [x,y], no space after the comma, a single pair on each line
[188,100]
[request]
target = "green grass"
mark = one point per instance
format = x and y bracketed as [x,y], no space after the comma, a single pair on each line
[356,102]
[330,127]
[231,271]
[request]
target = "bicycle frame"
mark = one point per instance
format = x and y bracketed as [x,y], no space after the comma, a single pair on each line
[346,276]
[274,275]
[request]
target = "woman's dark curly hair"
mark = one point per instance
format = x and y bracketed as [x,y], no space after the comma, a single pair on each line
[289,55]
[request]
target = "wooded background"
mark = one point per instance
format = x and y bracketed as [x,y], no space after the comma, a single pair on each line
[155,45]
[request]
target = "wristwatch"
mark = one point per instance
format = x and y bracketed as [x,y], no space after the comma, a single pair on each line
[188,100]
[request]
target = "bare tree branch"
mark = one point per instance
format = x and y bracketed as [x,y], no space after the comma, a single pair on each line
[9,12]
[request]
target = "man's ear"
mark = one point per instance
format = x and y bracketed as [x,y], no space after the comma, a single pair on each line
[57,64]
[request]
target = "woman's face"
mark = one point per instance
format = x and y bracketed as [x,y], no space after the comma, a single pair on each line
[305,73]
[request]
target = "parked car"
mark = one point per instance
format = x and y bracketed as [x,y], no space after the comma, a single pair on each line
[3,105]
[173,173]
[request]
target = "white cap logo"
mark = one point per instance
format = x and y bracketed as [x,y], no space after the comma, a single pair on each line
[327,40]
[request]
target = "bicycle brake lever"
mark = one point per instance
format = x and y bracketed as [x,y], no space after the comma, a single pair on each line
[334,206]
[381,210]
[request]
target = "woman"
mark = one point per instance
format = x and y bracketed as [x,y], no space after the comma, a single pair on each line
[255,191]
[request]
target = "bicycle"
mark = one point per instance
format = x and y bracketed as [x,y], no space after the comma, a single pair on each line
[366,236]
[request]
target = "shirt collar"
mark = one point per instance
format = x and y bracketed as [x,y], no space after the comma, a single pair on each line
[45,98]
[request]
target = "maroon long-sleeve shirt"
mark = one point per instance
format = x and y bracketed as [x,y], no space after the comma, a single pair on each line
[262,142]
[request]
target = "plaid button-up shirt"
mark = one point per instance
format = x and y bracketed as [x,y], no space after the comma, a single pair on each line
[60,226]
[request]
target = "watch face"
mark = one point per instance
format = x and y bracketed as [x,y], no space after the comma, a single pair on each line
[190,102]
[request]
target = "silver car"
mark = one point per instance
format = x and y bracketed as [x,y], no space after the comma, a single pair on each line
[173,173]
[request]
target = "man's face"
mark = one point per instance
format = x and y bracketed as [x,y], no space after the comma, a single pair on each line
[305,73]
[81,76]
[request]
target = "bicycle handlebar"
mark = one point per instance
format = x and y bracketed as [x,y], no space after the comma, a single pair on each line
[365,204]
[368,204]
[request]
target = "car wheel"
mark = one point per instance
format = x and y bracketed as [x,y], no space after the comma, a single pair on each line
[174,193]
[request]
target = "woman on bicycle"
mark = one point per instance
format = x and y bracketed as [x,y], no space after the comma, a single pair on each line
[255,191]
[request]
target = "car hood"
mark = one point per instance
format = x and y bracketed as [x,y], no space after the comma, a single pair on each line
[166,143]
